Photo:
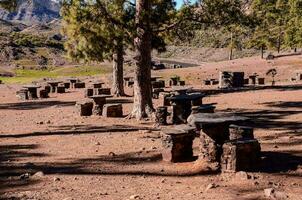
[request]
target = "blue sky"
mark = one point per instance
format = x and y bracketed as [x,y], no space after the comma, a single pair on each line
[180,2]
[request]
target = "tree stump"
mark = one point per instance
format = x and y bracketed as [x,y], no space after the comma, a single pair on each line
[43,94]
[240,155]
[79,85]
[161,115]
[239,132]
[113,110]
[84,108]
[22,94]
[177,143]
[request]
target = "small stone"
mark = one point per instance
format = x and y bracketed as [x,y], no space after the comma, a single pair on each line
[112,154]
[163,180]
[134,197]
[276,147]
[242,176]
[38,174]
[273,194]
[56,179]
[210,186]
[98,143]
[24,176]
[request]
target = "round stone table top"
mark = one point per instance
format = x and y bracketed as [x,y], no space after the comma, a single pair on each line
[214,118]
[31,86]
[186,97]
[54,82]
[100,96]
[178,130]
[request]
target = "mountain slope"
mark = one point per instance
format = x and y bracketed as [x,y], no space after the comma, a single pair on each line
[33,12]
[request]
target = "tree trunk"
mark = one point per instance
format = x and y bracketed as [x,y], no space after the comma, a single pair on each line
[118,77]
[142,106]
[231,48]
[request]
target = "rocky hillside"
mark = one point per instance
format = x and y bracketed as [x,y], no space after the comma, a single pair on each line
[31,12]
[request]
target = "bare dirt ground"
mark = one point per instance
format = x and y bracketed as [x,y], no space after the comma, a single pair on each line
[101,158]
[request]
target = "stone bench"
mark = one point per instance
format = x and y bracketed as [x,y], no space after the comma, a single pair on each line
[22,94]
[158,84]
[240,155]
[79,85]
[43,94]
[102,91]
[113,110]
[206,108]
[260,81]
[177,143]
[84,108]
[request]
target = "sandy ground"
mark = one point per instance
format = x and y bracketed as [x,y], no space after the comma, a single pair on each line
[101,158]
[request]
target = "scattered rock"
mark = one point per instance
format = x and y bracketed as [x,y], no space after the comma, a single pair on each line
[24,176]
[134,197]
[211,186]
[56,179]
[39,174]
[112,154]
[97,143]
[242,176]
[271,193]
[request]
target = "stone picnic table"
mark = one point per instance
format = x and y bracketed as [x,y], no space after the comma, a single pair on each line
[131,78]
[99,102]
[72,81]
[181,89]
[32,91]
[214,132]
[96,85]
[53,85]
[182,105]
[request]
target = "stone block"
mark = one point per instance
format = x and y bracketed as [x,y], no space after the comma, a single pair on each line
[177,143]
[79,85]
[240,155]
[260,81]
[84,108]
[100,91]
[67,85]
[22,94]
[113,110]
[47,88]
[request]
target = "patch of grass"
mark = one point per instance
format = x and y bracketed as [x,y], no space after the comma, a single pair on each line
[27,76]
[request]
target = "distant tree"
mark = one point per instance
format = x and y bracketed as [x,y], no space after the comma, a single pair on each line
[8,4]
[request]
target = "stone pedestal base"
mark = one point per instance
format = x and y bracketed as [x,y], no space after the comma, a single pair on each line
[177,143]
[113,110]
[84,108]
[240,155]
[67,85]
[47,88]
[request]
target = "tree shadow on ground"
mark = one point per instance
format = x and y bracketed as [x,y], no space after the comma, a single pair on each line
[119,100]
[80,129]
[285,104]
[31,105]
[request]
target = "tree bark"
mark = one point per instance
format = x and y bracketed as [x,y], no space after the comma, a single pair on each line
[231,48]
[118,77]
[142,106]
